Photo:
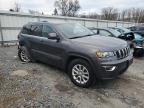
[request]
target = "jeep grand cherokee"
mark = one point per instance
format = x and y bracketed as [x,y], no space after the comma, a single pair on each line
[74,48]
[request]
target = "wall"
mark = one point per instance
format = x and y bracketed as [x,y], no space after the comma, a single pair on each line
[12,22]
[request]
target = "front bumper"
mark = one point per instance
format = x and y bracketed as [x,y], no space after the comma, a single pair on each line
[112,69]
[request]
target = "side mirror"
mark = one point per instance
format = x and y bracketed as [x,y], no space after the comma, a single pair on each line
[53,36]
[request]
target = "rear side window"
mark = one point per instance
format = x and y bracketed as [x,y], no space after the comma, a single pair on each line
[26,29]
[104,33]
[36,30]
[95,31]
[132,28]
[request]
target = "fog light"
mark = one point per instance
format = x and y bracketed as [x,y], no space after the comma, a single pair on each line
[109,68]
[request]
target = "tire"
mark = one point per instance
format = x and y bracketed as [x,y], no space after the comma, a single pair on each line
[79,79]
[138,52]
[24,55]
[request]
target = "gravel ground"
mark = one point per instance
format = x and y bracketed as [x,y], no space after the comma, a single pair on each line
[37,85]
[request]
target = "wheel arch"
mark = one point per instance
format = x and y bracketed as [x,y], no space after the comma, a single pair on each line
[72,57]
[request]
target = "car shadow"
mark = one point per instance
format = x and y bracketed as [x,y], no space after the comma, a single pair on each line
[103,84]
[99,84]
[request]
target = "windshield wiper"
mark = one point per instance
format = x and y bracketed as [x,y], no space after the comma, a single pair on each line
[88,35]
[75,37]
[81,36]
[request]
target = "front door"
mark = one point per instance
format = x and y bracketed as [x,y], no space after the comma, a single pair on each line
[52,51]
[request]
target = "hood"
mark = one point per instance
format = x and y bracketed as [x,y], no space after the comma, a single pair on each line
[101,42]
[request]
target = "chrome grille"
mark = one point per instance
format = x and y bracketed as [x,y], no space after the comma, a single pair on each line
[122,53]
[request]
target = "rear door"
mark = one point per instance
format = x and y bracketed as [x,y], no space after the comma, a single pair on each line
[35,38]
[31,34]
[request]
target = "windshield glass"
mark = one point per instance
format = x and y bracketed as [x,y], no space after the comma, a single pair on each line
[74,30]
[116,33]
[124,30]
[137,36]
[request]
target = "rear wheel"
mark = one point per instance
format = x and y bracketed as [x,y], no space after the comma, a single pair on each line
[24,54]
[81,73]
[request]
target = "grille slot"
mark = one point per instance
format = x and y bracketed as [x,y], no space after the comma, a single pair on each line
[122,53]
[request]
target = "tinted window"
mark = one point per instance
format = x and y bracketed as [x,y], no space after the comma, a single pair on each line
[26,29]
[104,33]
[132,28]
[46,30]
[36,30]
[95,31]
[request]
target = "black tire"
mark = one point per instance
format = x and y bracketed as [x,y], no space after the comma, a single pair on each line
[24,49]
[91,80]
[138,52]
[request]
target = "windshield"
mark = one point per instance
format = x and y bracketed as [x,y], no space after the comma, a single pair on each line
[74,30]
[137,36]
[123,30]
[115,32]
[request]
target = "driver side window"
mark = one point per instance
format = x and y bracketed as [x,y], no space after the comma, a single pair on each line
[46,30]
[104,33]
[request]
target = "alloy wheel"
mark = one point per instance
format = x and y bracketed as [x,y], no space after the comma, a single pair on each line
[80,74]
[24,56]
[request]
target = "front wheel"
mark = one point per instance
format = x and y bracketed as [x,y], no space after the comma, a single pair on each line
[81,73]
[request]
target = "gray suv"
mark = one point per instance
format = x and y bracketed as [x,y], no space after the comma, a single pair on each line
[75,49]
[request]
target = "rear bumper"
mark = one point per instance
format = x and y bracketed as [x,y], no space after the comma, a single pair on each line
[110,70]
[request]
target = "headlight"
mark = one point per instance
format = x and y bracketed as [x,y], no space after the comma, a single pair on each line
[100,54]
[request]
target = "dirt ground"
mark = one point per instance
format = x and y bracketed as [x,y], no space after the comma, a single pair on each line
[37,85]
